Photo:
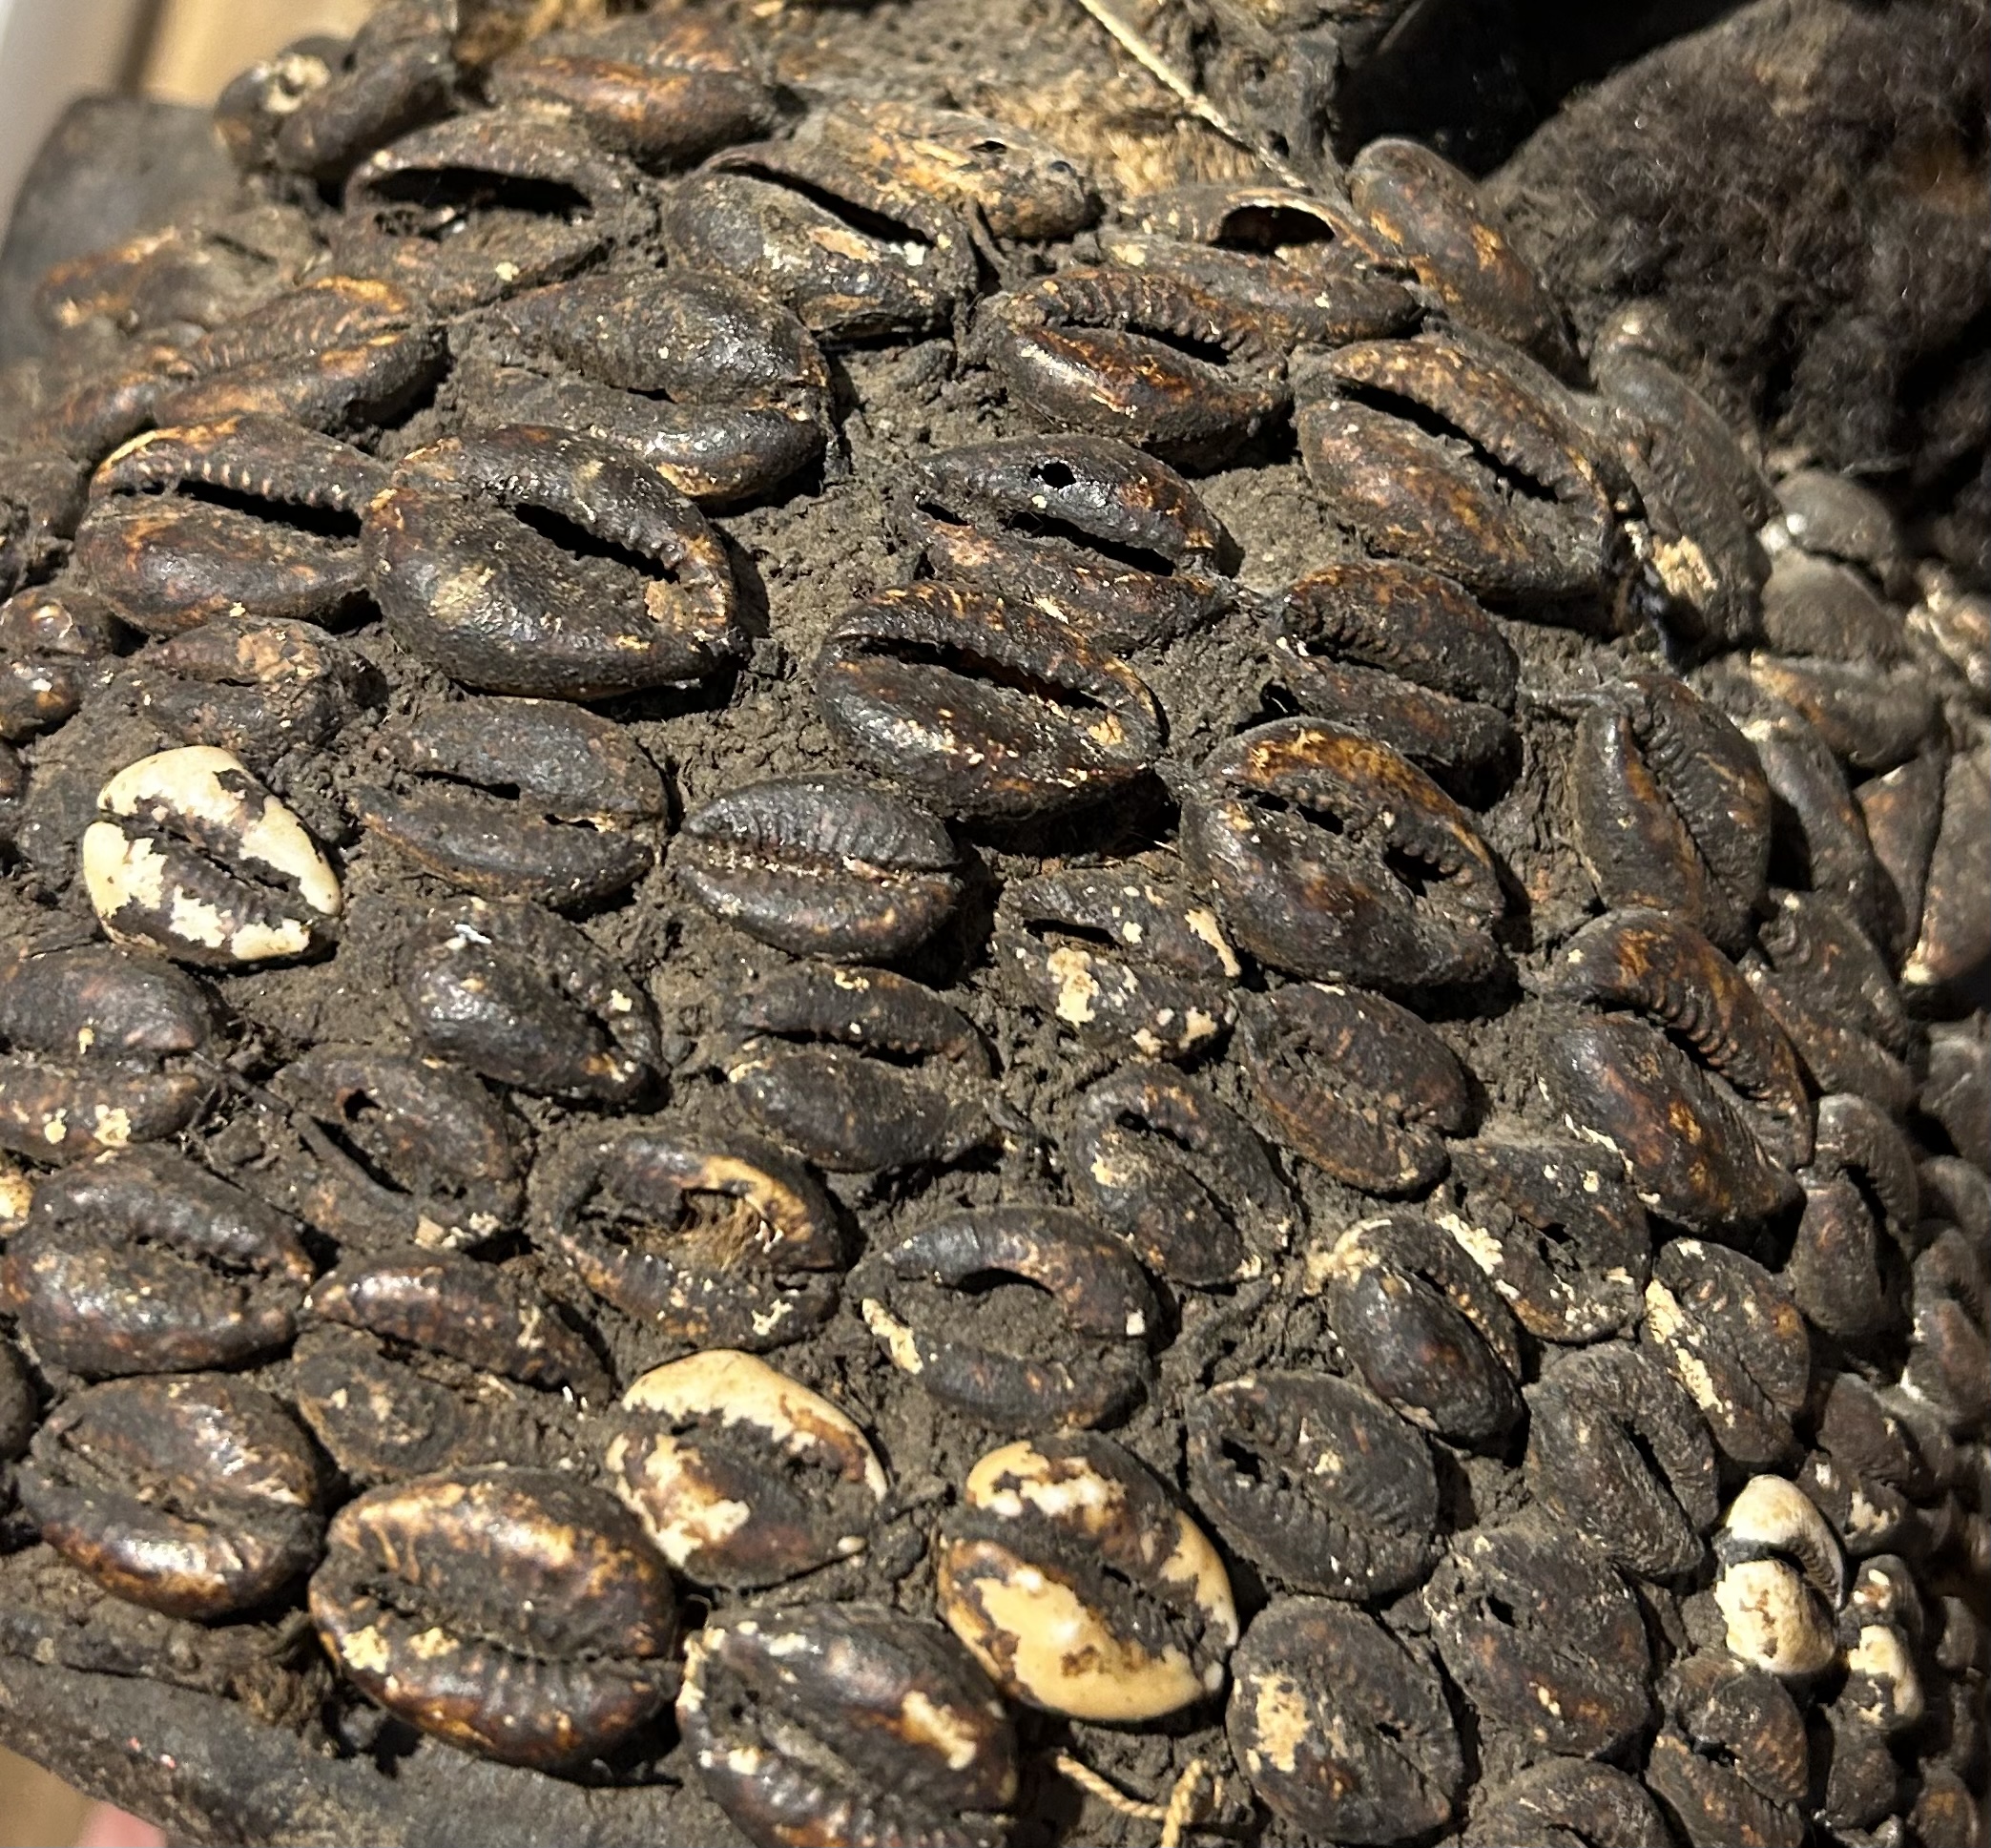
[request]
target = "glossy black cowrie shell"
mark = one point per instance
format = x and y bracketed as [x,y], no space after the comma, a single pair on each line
[1085,527]
[740,1476]
[196,858]
[1315,1481]
[483,205]
[1671,808]
[712,1242]
[661,89]
[1334,857]
[1557,1231]
[97,1042]
[413,1151]
[1341,1727]
[1617,1450]
[511,1612]
[417,1360]
[1689,1154]
[855,261]
[1060,1339]
[1153,1156]
[712,383]
[1730,1333]
[250,514]
[260,687]
[573,833]
[1154,361]
[522,998]
[1543,1636]
[1073,1578]
[823,866]
[986,707]
[140,1262]
[1118,958]
[1418,203]
[1423,1324]
[858,1069]
[1650,962]
[192,1494]
[536,561]
[848,1723]
[1441,451]
[1359,1086]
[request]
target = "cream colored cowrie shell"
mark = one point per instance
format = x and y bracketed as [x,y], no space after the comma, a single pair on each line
[1882,1687]
[740,1476]
[1074,1579]
[1781,1579]
[198,858]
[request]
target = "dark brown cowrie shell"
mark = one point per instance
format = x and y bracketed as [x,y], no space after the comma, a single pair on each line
[858,1069]
[48,639]
[1306,230]
[1700,492]
[1949,1359]
[511,1612]
[536,561]
[1846,1279]
[662,89]
[191,855]
[1568,1804]
[1651,961]
[715,384]
[1820,837]
[419,1154]
[1617,1450]
[249,513]
[1073,1578]
[1015,183]
[1838,1056]
[820,867]
[1689,1153]
[1813,943]
[1834,516]
[1154,361]
[1307,832]
[985,707]
[1871,717]
[483,205]
[1955,924]
[1557,1231]
[1731,1764]
[188,1493]
[259,687]
[1085,527]
[315,108]
[1359,1086]
[573,834]
[142,1262]
[334,354]
[1419,204]
[1061,1339]
[1442,452]
[854,261]
[1342,1728]
[95,1039]
[1671,808]
[1812,605]
[1955,624]
[1856,1425]
[1315,1481]
[1155,1158]
[1117,958]
[846,1723]
[714,1243]
[1903,810]
[522,998]
[1424,1326]
[740,1476]
[1730,1333]
[1957,1093]
[1543,1636]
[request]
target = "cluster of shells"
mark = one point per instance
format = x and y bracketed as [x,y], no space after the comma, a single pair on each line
[1289,1088]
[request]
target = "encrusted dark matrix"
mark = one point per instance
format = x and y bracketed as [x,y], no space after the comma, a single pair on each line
[872,957]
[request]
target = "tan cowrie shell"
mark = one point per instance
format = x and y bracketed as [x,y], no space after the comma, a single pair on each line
[1077,1583]
[1781,1579]
[200,858]
[1882,1687]
[740,1476]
